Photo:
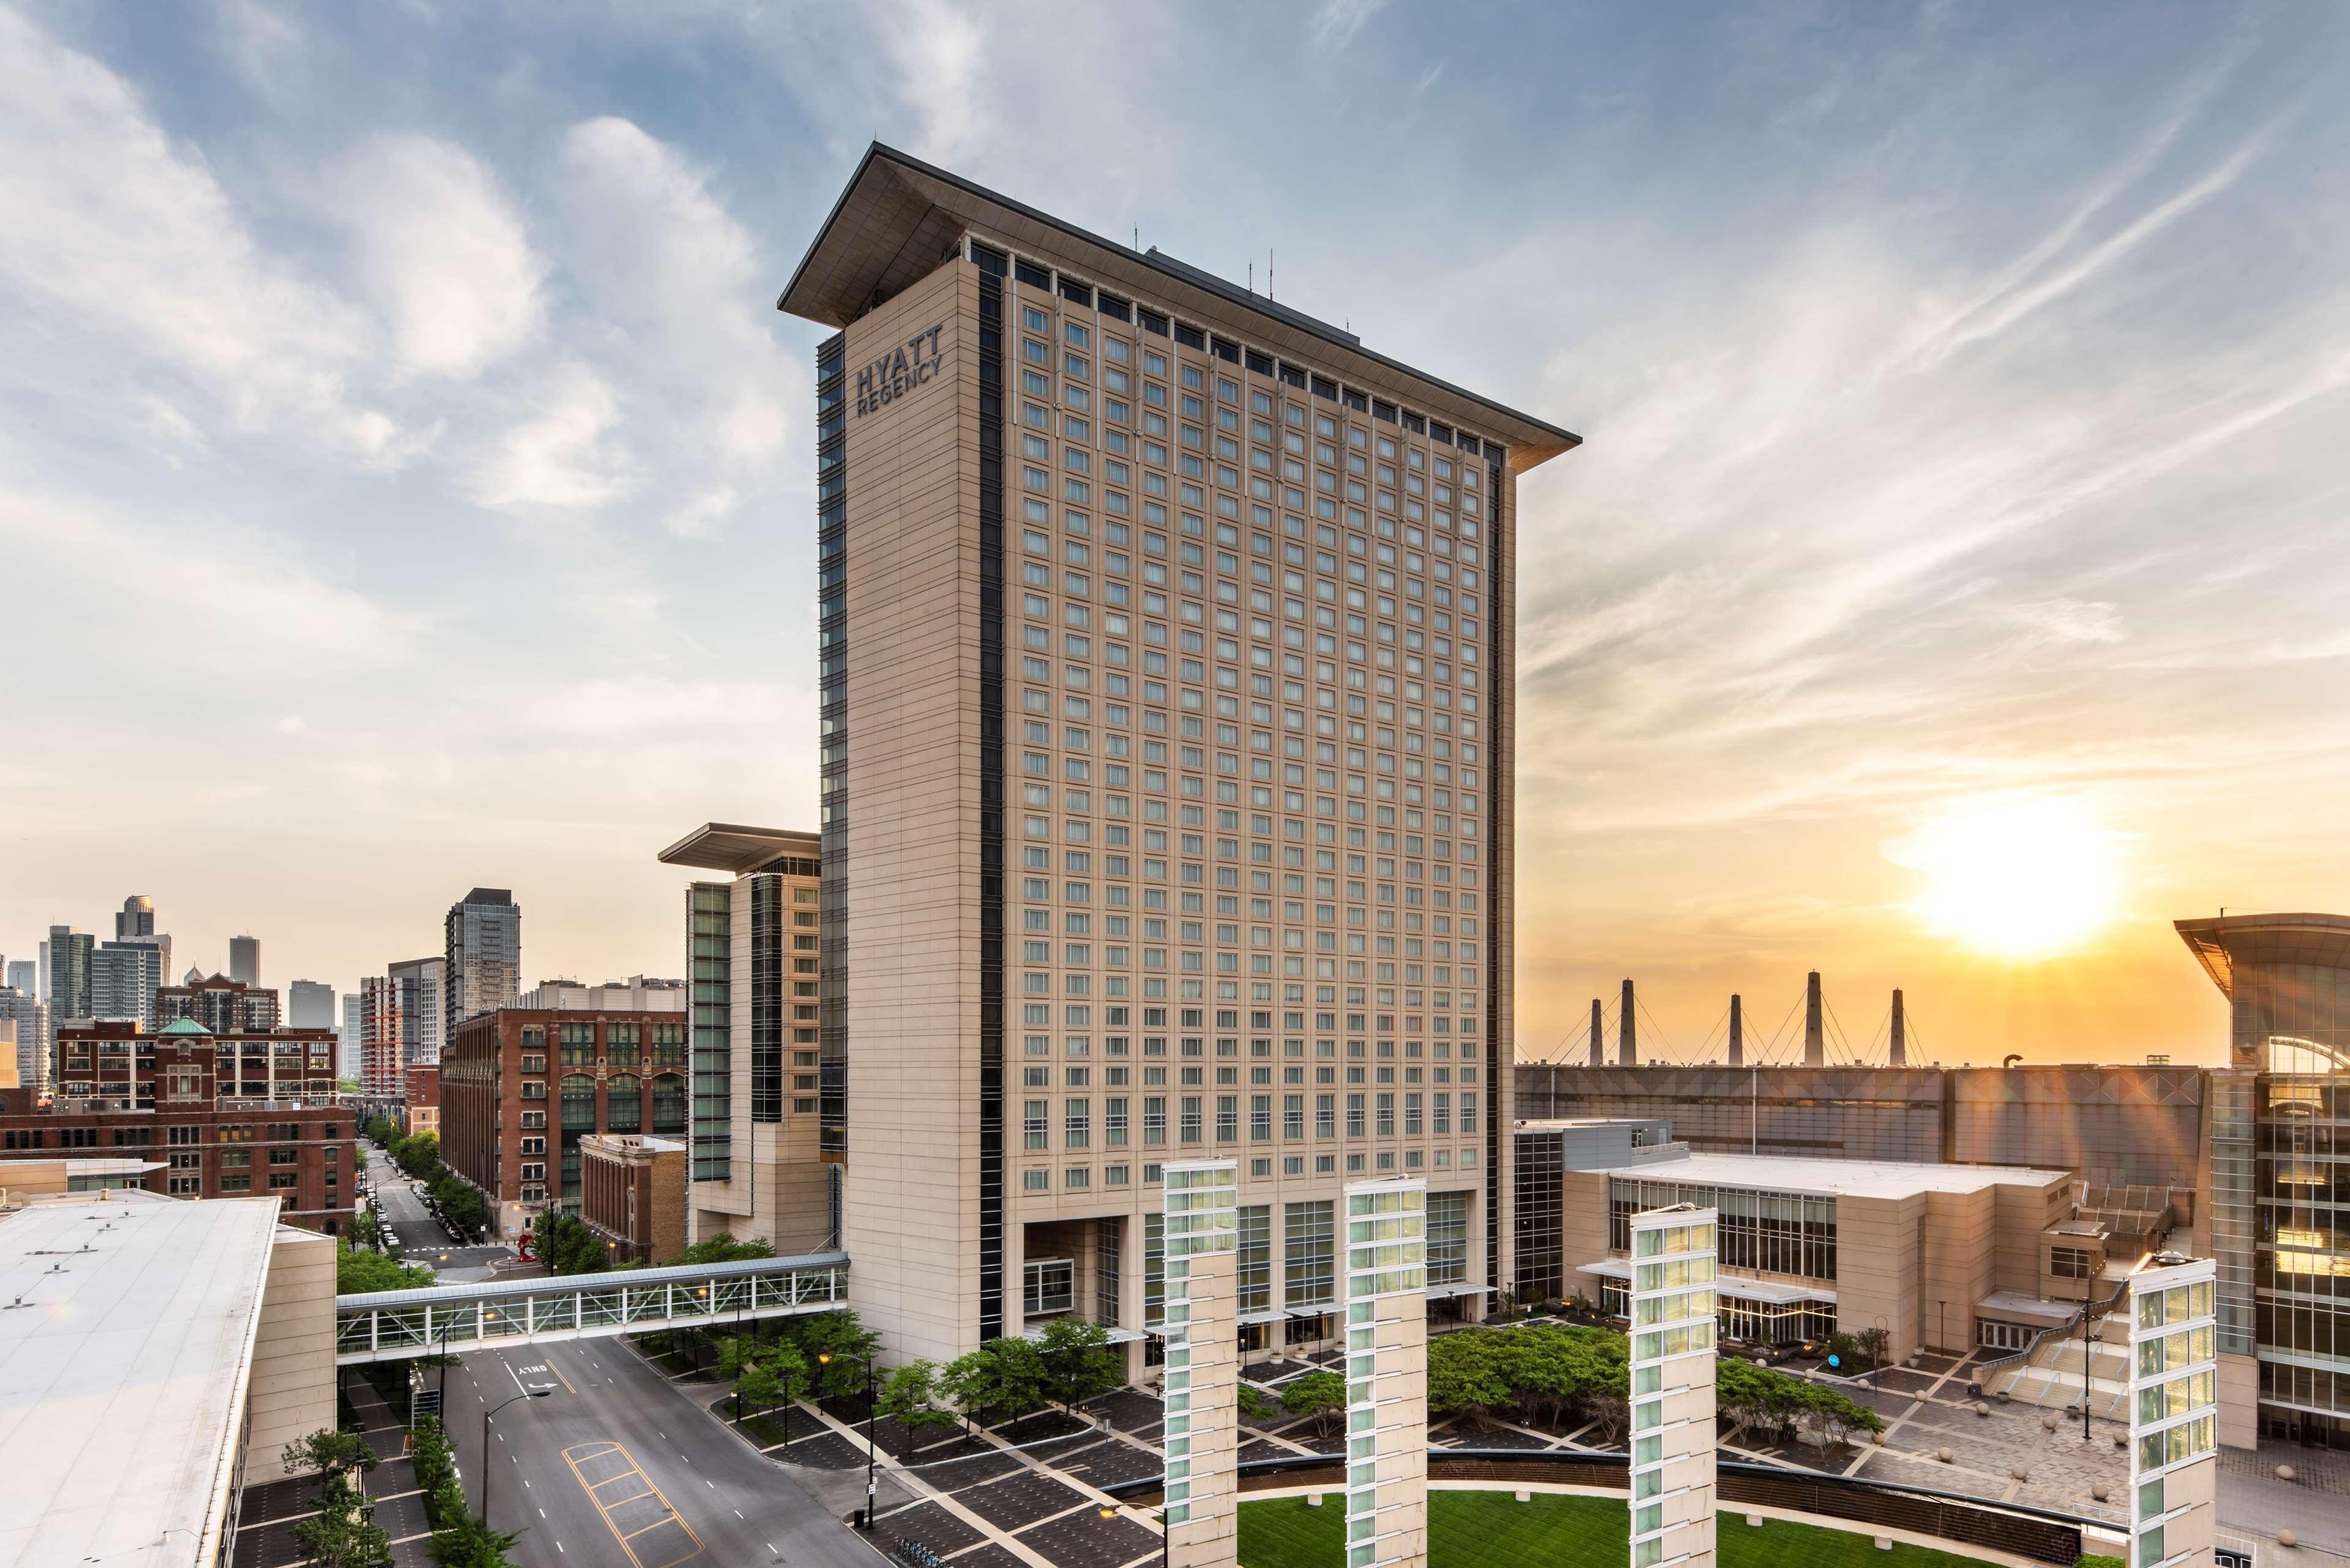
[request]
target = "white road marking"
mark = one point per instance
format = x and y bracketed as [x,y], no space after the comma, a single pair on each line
[738,1513]
[542,1514]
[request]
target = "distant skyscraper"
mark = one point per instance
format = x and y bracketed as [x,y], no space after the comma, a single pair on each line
[19,1006]
[310,1005]
[244,960]
[481,956]
[25,975]
[416,988]
[135,923]
[68,953]
[123,980]
[348,1054]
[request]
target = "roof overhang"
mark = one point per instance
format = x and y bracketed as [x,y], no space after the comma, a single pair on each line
[900,218]
[731,846]
[2221,942]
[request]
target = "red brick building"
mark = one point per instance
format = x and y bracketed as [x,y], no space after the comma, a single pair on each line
[229,1115]
[632,1193]
[521,1086]
[423,1099]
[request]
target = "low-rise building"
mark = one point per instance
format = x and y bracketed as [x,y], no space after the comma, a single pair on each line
[1941,1257]
[227,1116]
[422,1098]
[203,1331]
[521,1087]
[632,1193]
[223,1005]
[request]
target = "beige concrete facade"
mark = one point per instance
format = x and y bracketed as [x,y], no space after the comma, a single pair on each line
[1924,1252]
[292,1392]
[1255,661]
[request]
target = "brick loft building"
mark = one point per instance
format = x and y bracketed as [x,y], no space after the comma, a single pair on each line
[521,1086]
[632,1194]
[228,1115]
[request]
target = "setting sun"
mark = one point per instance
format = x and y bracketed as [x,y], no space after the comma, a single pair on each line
[2021,878]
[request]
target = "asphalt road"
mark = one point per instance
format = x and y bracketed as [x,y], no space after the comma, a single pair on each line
[618,1467]
[419,1234]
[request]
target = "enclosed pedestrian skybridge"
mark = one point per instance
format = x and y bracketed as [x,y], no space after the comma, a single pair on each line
[392,1325]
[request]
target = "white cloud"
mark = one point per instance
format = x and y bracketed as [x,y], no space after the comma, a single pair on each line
[443,251]
[1335,22]
[115,232]
[700,516]
[2063,620]
[560,456]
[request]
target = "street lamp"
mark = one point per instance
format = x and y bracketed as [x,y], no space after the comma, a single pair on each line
[539,1392]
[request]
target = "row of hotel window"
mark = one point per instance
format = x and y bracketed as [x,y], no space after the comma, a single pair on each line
[1084,297]
[1079,1178]
[1077,1119]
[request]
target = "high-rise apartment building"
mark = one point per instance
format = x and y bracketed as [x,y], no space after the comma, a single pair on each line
[481,956]
[310,1005]
[25,975]
[419,984]
[66,988]
[124,977]
[767,1138]
[244,960]
[382,1066]
[135,922]
[349,1035]
[29,1016]
[1166,652]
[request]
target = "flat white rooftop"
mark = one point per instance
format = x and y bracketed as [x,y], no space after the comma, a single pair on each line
[1833,1177]
[124,1375]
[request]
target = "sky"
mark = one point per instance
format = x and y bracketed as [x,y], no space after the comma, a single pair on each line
[405,475]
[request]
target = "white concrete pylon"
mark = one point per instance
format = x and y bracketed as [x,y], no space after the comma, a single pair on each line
[2174,1411]
[1387,1374]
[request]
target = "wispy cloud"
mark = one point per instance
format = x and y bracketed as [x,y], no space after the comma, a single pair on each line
[1335,22]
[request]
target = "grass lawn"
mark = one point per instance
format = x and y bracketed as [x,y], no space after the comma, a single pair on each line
[1494,1530]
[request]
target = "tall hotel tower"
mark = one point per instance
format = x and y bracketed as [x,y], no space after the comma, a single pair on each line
[1167,649]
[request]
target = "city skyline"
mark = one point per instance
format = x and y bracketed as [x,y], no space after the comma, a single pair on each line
[1945,571]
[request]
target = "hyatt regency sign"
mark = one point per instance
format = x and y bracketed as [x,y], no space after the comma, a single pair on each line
[899,372]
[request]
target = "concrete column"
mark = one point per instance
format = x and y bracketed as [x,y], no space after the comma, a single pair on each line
[1387,1374]
[1815,1046]
[1737,1031]
[1628,1039]
[1899,1055]
[2174,1411]
[1672,1365]
[1203,1364]
[1598,1056]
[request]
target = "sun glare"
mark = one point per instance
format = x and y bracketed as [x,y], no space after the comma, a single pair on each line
[2019,879]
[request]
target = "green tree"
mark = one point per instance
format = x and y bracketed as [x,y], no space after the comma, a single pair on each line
[329,1449]
[909,1398]
[1464,1375]
[839,1349]
[357,1273]
[1320,1395]
[567,1246]
[1255,1405]
[341,1534]
[418,1155]
[380,1132]
[1078,1361]
[1002,1376]
[723,1248]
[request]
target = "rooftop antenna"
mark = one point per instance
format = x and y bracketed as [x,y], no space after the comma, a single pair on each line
[1268,272]
[1252,275]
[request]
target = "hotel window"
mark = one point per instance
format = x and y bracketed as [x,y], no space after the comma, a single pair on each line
[1252,1278]
[1309,1254]
[1035,1123]
[1077,1124]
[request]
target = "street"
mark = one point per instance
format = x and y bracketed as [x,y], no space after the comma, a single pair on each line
[618,1466]
[399,1206]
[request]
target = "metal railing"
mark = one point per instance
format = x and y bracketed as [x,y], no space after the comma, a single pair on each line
[2095,1311]
[386,1325]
